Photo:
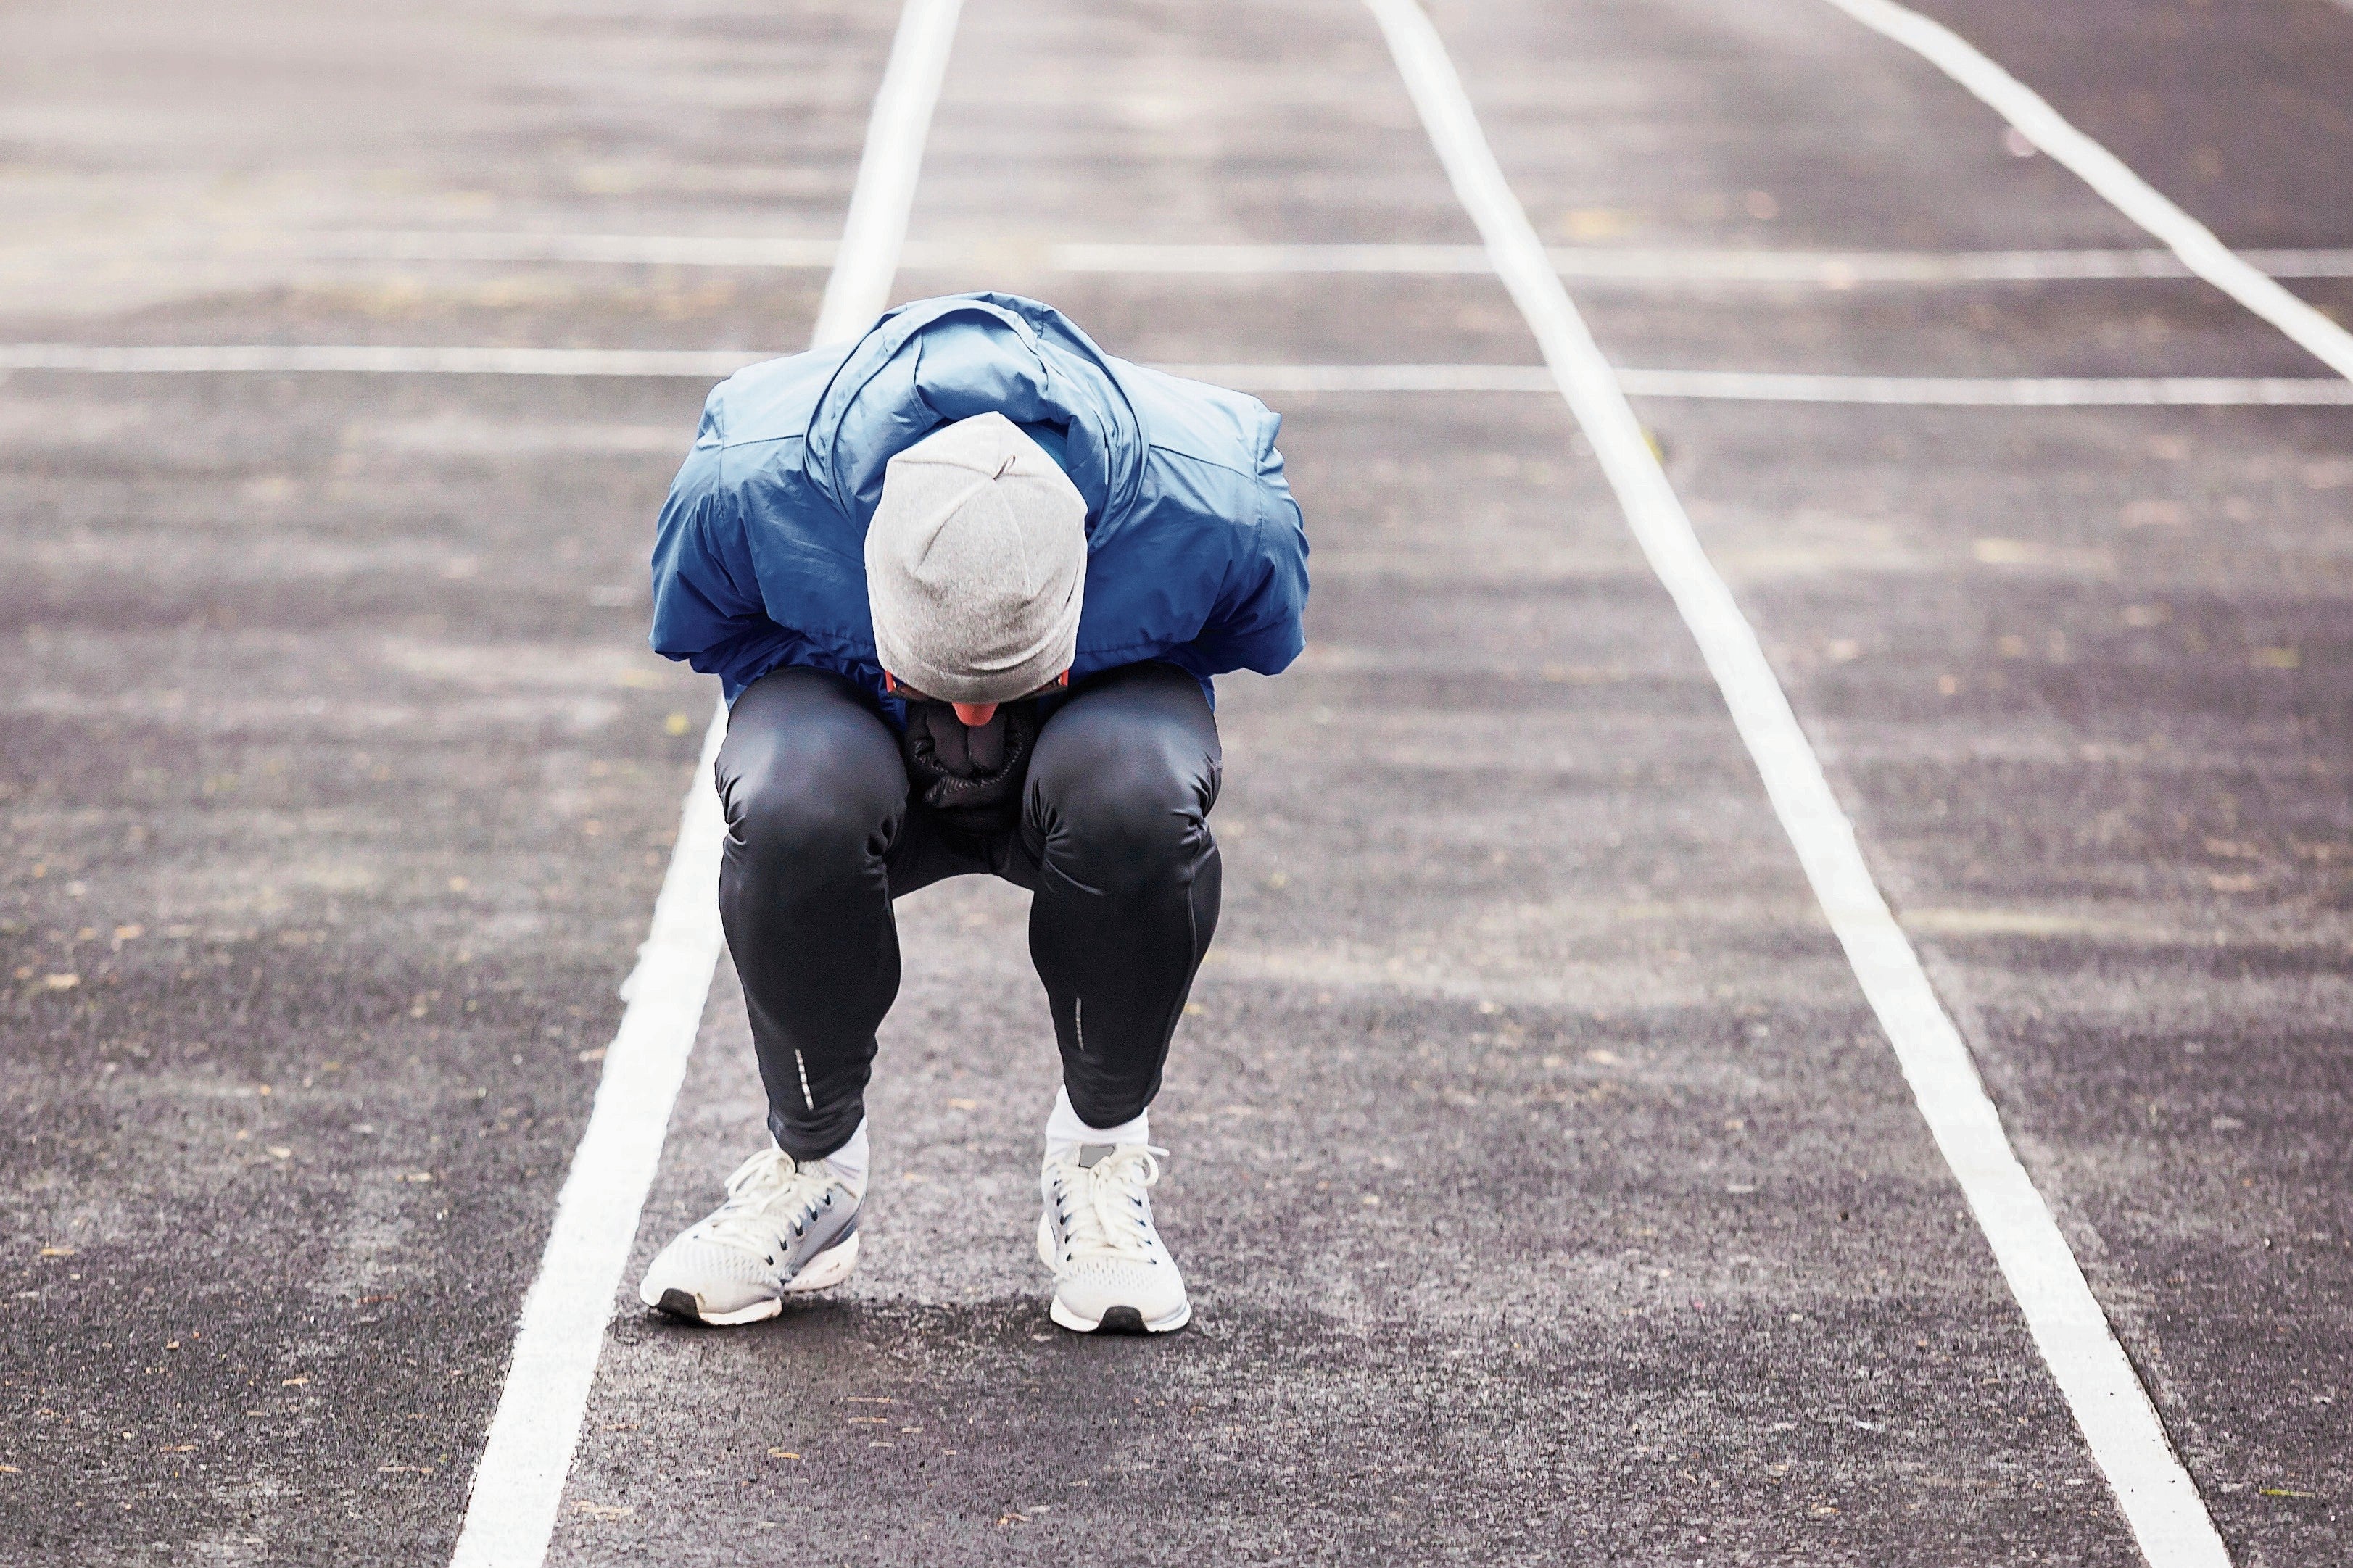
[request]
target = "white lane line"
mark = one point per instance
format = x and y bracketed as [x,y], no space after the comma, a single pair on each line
[1368,377]
[375,359]
[1633,264]
[1777,386]
[1845,269]
[2160,1504]
[1441,260]
[2106,174]
[618,249]
[518,1485]
[1829,269]
[1731,386]
[1992,392]
[876,229]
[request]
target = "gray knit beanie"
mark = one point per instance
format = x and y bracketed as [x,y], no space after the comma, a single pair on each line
[975,563]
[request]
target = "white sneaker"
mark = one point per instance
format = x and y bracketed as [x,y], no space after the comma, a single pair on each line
[785,1228]
[1111,1270]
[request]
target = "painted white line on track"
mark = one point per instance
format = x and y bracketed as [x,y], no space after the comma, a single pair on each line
[1368,377]
[1992,392]
[875,231]
[1777,386]
[374,358]
[1245,259]
[1727,385]
[519,1484]
[615,250]
[1838,269]
[2160,1504]
[2045,126]
[1632,264]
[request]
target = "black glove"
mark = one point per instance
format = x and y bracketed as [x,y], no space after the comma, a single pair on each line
[971,774]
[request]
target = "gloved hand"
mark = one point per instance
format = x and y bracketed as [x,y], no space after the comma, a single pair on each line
[972,773]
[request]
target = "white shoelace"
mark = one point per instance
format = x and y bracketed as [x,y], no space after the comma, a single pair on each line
[749,1216]
[1105,1214]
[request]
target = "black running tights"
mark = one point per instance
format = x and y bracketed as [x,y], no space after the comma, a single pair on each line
[1112,837]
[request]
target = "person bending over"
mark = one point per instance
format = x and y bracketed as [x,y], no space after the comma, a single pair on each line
[965,584]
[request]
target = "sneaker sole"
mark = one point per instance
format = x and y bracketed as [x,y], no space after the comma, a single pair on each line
[827,1269]
[1121,1320]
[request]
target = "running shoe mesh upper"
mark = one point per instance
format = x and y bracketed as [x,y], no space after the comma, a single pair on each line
[1104,1211]
[771,1199]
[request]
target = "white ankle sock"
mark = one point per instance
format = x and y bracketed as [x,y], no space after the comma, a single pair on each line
[1065,1131]
[849,1162]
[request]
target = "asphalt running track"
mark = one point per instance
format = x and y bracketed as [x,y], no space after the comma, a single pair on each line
[1550,1190]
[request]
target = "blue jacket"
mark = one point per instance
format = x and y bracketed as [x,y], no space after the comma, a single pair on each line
[1196,554]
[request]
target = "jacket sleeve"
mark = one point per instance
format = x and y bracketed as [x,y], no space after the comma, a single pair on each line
[1258,621]
[707,606]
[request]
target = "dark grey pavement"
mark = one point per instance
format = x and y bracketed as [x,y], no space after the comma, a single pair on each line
[1549,1194]
[2085,679]
[338,781]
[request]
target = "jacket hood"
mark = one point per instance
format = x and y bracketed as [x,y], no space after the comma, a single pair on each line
[937,361]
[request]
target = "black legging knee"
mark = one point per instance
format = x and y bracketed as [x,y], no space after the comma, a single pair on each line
[821,836]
